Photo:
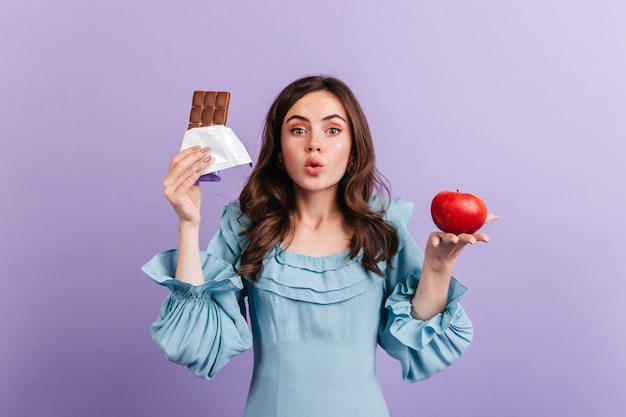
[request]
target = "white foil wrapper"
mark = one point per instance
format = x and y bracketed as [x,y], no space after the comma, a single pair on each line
[226,148]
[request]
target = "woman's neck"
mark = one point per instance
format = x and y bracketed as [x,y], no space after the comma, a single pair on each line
[315,209]
[318,226]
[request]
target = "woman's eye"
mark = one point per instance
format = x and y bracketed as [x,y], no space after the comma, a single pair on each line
[297,131]
[334,130]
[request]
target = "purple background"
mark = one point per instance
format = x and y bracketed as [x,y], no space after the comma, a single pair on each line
[522,102]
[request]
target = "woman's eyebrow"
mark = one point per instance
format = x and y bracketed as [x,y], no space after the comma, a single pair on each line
[304,119]
[332,116]
[297,117]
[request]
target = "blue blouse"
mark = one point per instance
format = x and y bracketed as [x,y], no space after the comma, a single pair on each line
[315,322]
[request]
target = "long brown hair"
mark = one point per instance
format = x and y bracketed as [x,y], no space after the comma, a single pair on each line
[267,198]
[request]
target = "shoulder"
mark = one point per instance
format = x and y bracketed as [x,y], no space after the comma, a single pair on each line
[233,225]
[232,211]
[396,211]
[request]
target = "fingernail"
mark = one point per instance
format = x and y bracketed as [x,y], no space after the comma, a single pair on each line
[205,149]
[207,159]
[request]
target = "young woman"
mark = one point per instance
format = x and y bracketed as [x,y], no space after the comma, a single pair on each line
[326,261]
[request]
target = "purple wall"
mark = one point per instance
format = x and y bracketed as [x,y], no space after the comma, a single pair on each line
[522,102]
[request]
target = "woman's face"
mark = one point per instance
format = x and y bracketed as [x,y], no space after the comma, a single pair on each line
[316,142]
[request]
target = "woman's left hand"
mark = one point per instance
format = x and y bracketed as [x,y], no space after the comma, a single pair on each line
[445,247]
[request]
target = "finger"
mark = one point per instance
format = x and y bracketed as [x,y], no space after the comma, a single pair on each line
[188,157]
[177,192]
[449,238]
[468,238]
[180,163]
[182,183]
[184,163]
[184,154]
[193,176]
[481,237]
[491,217]
[435,239]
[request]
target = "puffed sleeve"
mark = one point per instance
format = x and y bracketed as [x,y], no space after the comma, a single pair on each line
[203,327]
[423,347]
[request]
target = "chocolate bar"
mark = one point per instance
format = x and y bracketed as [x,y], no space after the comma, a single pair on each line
[209,108]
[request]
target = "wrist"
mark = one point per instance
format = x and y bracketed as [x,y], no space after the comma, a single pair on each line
[189,225]
[189,233]
[438,266]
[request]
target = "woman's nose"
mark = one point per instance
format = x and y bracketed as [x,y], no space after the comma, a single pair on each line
[313,143]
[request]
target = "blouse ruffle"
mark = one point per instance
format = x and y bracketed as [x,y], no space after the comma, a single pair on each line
[201,327]
[320,280]
[414,333]
[232,226]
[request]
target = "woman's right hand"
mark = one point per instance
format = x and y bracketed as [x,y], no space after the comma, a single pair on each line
[183,172]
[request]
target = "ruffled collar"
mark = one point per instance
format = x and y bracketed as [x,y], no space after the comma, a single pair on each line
[320,280]
[313,263]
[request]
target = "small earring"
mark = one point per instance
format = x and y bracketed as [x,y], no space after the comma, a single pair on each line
[280,164]
[350,167]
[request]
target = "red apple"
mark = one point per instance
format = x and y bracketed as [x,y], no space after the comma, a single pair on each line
[456,212]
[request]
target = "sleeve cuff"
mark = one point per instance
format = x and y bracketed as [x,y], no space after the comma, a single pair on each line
[219,276]
[418,333]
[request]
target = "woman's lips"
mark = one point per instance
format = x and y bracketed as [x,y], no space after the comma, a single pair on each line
[313,166]
[314,170]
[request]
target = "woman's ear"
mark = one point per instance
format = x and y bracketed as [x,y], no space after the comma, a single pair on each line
[280,164]
[350,166]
